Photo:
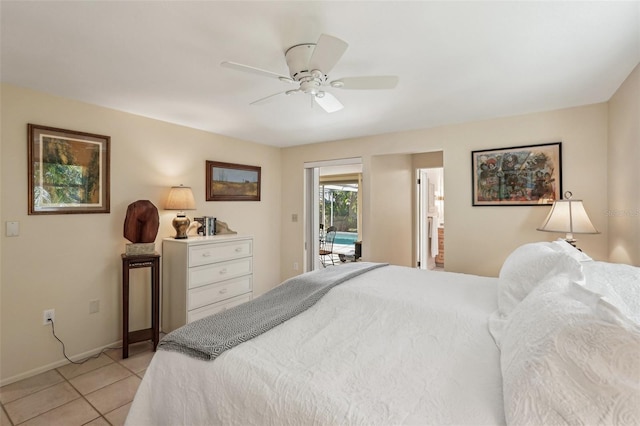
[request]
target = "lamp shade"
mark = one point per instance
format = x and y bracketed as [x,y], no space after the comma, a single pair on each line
[180,198]
[568,216]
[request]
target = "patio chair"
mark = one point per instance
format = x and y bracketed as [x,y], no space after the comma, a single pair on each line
[326,246]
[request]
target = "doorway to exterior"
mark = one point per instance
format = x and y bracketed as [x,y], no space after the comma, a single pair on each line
[339,201]
[332,190]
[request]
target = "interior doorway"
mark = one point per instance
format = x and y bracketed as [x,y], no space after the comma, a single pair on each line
[430,218]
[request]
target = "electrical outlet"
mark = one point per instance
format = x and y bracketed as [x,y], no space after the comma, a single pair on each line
[295,266]
[94,306]
[48,316]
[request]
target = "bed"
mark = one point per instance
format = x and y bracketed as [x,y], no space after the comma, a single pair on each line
[553,340]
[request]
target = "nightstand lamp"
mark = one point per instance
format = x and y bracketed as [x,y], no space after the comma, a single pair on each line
[570,217]
[181,199]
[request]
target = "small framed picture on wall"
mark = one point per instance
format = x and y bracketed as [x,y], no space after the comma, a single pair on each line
[232,182]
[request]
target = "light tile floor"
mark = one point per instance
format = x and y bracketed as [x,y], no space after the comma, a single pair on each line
[98,392]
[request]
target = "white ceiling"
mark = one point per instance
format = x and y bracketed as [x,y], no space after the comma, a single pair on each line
[457,61]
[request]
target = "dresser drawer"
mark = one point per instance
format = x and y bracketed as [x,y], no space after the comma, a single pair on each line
[205,254]
[212,293]
[217,307]
[204,275]
[216,272]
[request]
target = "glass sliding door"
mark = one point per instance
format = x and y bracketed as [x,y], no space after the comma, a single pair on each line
[331,199]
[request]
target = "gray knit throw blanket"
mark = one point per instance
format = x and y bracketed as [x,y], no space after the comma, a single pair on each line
[209,337]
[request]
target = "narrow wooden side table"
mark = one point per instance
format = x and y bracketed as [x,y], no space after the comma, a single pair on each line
[133,262]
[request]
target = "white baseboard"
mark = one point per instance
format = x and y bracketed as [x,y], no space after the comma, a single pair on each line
[60,363]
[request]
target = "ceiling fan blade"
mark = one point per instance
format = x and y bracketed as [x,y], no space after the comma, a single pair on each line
[327,52]
[364,83]
[267,99]
[328,102]
[254,70]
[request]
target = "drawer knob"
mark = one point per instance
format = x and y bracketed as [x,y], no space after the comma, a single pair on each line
[206,254]
[223,271]
[238,249]
[223,291]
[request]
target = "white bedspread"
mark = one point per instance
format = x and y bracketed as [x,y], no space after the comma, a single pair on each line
[393,346]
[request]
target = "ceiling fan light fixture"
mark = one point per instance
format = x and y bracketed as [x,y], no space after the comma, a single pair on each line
[328,102]
[311,86]
[309,66]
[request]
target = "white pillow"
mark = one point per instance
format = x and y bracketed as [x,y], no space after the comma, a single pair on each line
[565,247]
[526,267]
[618,283]
[569,357]
[521,272]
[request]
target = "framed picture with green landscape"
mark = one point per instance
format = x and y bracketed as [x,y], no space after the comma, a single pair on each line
[68,171]
[232,182]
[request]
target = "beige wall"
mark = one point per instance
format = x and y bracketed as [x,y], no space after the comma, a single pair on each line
[64,261]
[387,204]
[427,160]
[623,209]
[478,239]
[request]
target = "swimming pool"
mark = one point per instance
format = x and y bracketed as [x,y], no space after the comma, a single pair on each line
[346,238]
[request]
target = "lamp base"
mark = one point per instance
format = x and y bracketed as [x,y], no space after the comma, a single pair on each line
[569,238]
[181,225]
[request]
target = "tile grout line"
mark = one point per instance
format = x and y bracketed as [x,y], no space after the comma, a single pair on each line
[80,395]
[103,415]
[89,402]
[6,414]
[34,393]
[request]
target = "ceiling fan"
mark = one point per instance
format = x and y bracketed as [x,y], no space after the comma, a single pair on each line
[309,66]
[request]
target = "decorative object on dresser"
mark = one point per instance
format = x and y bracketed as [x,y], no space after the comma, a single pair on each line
[141,227]
[208,225]
[205,275]
[222,228]
[232,182]
[519,176]
[68,171]
[195,226]
[568,216]
[181,199]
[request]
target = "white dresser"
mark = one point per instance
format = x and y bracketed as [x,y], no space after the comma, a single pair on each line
[204,275]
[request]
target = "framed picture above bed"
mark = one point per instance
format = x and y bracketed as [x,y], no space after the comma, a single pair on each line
[68,171]
[232,182]
[517,176]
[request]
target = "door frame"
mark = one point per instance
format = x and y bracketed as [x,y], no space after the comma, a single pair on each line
[423,204]
[311,207]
